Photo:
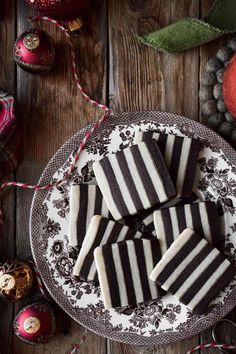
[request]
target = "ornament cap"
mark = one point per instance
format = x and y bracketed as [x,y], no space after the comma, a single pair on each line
[32,324]
[7,282]
[31,41]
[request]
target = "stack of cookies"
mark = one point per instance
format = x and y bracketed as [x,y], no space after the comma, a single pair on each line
[180,250]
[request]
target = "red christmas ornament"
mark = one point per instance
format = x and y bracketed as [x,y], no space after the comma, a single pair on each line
[229,86]
[35,323]
[34,51]
[59,9]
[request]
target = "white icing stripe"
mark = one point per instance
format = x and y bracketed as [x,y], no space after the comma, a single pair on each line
[88,243]
[120,275]
[188,215]
[169,150]
[183,265]
[138,137]
[154,175]
[198,271]
[149,267]
[148,220]
[106,191]
[102,276]
[208,285]
[160,230]
[174,248]
[174,223]
[135,275]
[73,215]
[183,165]
[121,184]
[104,209]
[136,178]
[91,205]
[205,221]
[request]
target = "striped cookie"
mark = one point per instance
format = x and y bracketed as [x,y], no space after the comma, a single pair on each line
[101,231]
[85,202]
[123,270]
[134,179]
[201,217]
[193,270]
[147,217]
[180,155]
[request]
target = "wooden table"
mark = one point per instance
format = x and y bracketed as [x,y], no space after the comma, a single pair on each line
[115,69]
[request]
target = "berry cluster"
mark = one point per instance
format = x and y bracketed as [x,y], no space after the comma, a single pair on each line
[213,108]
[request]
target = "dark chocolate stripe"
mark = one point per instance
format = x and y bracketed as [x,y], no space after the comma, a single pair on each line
[124,257]
[115,233]
[98,202]
[146,136]
[214,226]
[141,260]
[115,189]
[202,279]
[111,276]
[161,168]
[156,251]
[181,217]
[190,268]
[82,216]
[167,222]
[190,168]
[197,221]
[121,158]
[129,234]
[161,141]
[145,177]
[175,159]
[215,289]
[178,258]
[89,257]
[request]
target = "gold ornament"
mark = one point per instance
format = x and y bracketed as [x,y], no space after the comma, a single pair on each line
[16,280]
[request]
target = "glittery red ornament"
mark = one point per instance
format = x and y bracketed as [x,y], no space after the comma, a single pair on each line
[35,323]
[229,86]
[59,9]
[34,51]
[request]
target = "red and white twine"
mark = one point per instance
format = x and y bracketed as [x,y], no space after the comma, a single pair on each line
[94,126]
[77,347]
[211,346]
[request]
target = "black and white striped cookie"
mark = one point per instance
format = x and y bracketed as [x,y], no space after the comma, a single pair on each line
[85,202]
[147,217]
[123,272]
[134,179]
[180,155]
[101,231]
[193,270]
[201,217]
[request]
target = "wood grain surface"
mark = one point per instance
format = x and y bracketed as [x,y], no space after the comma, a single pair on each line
[114,68]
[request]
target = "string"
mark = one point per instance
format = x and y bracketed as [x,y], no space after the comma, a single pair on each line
[211,346]
[94,126]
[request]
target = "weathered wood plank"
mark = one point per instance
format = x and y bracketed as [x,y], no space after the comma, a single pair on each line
[7,231]
[51,110]
[142,78]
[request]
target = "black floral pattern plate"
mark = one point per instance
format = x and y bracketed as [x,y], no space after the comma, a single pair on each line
[160,321]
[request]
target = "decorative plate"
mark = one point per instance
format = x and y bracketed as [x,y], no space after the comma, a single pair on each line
[160,321]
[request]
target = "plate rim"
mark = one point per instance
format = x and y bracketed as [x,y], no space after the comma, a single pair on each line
[55,163]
